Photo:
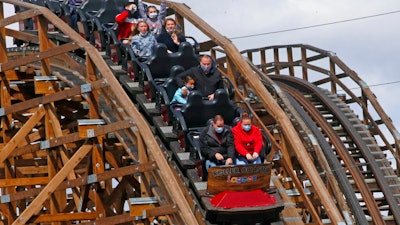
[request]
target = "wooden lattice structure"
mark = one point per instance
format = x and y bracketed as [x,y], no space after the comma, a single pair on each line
[74,149]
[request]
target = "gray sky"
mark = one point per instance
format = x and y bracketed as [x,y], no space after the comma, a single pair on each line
[368,46]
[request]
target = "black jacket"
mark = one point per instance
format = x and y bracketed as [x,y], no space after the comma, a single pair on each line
[209,144]
[166,39]
[205,83]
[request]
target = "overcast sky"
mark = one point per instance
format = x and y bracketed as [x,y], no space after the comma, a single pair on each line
[369,46]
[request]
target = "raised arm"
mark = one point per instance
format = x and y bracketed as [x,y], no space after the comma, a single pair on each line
[163,10]
[142,12]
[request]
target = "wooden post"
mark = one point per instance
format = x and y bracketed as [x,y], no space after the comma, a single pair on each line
[37,203]
[44,43]
[290,61]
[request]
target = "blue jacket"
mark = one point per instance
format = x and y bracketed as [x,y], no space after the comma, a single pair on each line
[178,98]
[142,46]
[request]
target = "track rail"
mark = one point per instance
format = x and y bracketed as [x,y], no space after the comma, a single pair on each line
[358,167]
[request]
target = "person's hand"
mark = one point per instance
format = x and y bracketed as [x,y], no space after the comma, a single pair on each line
[211,97]
[184,91]
[249,157]
[175,38]
[229,161]
[132,7]
[255,155]
[218,156]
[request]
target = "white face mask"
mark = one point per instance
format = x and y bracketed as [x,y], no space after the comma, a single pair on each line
[143,33]
[170,30]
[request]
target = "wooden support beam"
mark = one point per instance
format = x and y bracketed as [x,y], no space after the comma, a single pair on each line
[19,17]
[29,38]
[65,94]
[21,134]
[20,182]
[46,54]
[90,179]
[74,137]
[37,203]
[58,217]
[124,218]
[161,211]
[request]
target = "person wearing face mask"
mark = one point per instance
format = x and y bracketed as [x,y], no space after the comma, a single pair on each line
[248,141]
[208,78]
[126,21]
[170,36]
[216,144]
[152,17]
[182,93]
[143,41]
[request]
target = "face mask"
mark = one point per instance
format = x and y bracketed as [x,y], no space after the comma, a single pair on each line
[170,31]
[190,87]
[144,33]
[246,127]
[205,68]
[219,130]
[153,15]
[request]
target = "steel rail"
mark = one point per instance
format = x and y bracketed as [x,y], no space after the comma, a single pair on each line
[357,139]
[310,114]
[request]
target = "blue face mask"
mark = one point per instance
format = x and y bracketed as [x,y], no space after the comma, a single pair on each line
[190,87]
[153,15]
[219,130]
[246,127]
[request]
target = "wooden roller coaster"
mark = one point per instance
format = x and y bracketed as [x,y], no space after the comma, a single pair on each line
[78,146]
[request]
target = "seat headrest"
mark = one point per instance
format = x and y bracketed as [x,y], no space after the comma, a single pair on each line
[221,97]
[195,98]
[160,50]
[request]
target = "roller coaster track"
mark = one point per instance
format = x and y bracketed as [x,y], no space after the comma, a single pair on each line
[75,148]
[354,146]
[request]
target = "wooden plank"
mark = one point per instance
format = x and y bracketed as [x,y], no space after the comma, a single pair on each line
[37,203]
[46,87]
[48,218]
[29,38]
[138,210]
[19,17]
[115,173]
[32,170]
[65,94]
[74,137]
[58,133]
[39,56]
[161,211]
[124,218]
[21,134]
[21,182]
